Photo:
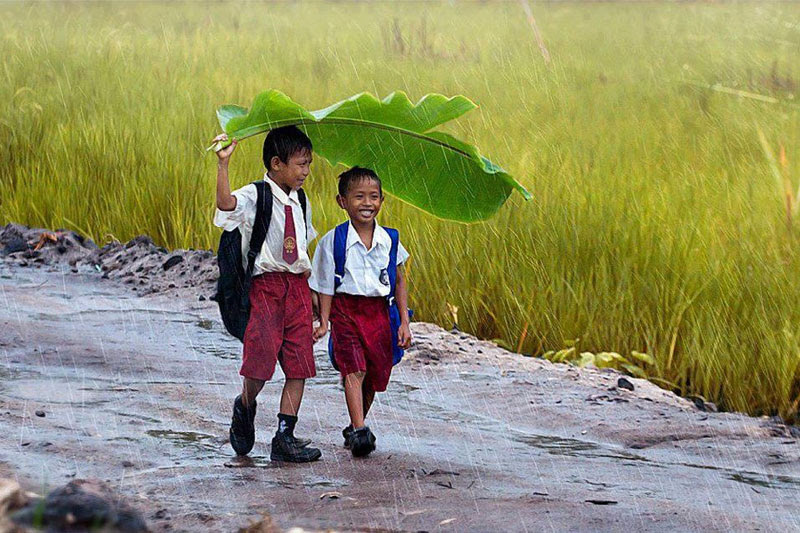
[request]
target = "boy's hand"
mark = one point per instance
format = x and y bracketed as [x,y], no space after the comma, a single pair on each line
[224,154]
[404,336]
[320,331]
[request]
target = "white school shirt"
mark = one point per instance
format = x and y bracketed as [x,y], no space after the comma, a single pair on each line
[270,259]
[362,267]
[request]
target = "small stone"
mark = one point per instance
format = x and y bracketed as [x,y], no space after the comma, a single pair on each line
[40,414]
[127,464]
[141,239]
[82,505]
[172,261]
[15,245]
[202,298]
[623,383]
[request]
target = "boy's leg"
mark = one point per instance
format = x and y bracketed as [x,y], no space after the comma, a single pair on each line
[242,432]
[368,395]
[292,396]
[262,340]
[297,360]
[250,389]
[354,397]
[360,438]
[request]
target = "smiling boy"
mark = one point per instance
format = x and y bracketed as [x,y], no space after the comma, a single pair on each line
[356,302]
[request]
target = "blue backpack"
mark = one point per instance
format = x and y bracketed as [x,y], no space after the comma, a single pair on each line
[339,257]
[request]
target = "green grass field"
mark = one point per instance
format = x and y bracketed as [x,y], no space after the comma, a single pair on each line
[657,223]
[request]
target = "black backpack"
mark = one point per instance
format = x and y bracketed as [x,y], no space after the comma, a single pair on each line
[233,285]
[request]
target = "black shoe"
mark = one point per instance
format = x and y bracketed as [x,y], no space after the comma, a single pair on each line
[347,433]
[243,431]
[300,442]
[285,448]
[362,442]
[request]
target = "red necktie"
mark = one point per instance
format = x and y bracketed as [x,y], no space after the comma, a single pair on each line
[289,238]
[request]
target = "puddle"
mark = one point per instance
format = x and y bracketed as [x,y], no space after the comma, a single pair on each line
[766,481]
[141,417]
[167,314]
[437,413]
[9,373]
[35,391]
[108,389]
[576,448]
[327,380]
[472,376]
[186,438]
[222,353]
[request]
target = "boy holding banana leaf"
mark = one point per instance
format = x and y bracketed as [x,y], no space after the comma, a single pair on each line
[279,327]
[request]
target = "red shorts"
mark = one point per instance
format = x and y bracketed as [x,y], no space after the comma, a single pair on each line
[362,341]
[279,328]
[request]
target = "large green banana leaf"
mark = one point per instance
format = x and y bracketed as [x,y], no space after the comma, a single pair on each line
[430,170]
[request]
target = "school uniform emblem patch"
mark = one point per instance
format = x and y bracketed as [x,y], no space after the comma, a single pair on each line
[289,244]
[384,277]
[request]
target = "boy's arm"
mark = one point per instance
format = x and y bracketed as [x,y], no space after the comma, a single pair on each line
[401,295]
[314,304]
[324,315]
[225,200]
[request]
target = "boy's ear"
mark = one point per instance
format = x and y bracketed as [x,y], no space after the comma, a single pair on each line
[340,200]
[275,162]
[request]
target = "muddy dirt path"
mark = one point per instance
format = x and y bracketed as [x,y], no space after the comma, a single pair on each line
[98,382]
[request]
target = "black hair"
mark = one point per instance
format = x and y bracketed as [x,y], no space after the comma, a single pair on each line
[355,175]
[284,142]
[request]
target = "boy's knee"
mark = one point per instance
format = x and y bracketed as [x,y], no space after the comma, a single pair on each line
[253,384]
[355,376]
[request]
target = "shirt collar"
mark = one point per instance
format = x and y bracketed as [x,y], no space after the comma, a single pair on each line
[278,193]
[379,237]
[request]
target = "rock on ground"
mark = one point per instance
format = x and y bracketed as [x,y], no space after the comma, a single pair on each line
[82,504]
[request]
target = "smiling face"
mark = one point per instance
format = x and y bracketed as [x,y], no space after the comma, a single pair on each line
[292,174]
[362,201]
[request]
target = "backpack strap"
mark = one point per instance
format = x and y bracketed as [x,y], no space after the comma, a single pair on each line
[391,268]
[339,253]
[260,224]
[301,197]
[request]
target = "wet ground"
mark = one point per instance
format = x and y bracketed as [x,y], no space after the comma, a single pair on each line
[98,382]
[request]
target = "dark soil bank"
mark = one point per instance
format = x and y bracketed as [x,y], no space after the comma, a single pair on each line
[133,389]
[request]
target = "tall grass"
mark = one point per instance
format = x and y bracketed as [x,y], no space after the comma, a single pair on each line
[657,223]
